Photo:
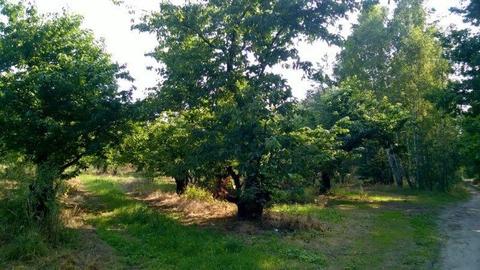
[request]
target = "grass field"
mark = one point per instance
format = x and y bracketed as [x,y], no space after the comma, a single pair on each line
[126,222]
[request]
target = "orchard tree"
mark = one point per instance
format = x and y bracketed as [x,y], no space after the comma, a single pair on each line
[371,122]
[171,145]
[59,99]
[218,56]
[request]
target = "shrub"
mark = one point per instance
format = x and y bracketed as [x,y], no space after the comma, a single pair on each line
[20,236]
[295,195]
[27,245]
[199,194]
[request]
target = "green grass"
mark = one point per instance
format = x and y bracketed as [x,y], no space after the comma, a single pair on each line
[145,238]
[397,241]
[373,228]
[330,215]
[382,227]
[393,194]
[23,244]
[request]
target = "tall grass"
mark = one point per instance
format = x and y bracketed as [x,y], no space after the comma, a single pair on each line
[21,236]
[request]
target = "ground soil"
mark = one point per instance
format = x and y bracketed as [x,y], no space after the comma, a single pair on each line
[461,226]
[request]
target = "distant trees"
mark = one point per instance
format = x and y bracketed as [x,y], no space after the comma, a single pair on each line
[402,60]
[59,99]
[372,124]
[464,50]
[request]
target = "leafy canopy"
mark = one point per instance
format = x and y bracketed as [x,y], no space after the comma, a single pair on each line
[217,58]
[59,98]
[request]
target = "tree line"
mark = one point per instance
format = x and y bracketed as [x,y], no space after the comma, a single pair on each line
[402,105]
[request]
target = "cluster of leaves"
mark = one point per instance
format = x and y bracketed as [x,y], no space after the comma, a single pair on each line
[372,123]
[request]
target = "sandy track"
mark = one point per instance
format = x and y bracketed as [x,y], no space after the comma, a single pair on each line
[461,225]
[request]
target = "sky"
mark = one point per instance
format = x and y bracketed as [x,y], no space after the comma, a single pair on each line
[112,24]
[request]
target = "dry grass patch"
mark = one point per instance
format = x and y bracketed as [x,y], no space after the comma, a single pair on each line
[190,211]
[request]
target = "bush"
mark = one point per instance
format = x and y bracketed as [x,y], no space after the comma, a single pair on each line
[197,193]
[21,237]
[18,236]
[27,245]
[15,167]
[295,195]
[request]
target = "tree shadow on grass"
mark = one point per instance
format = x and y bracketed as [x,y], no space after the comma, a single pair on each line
[148,239]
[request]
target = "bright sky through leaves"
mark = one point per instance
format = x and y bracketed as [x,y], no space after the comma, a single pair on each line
[112,23]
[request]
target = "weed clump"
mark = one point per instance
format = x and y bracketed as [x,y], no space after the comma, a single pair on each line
[21,236]
[199,194]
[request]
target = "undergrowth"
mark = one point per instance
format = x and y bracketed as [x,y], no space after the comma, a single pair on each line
[21,237]
[199,194]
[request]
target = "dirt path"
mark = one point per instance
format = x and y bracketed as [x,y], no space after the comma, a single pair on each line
[461,224]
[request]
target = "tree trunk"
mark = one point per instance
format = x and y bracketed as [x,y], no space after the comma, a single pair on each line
[326,183]
[104,169]
[235,177]
[396,167]
[252,199]
[221,187]
[249,210]
[42,201]
[181,184]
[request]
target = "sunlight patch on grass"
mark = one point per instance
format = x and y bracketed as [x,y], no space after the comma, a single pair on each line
[373,196]
[319,212]
[397,241]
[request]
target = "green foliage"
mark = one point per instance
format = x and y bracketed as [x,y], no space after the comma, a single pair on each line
[408,67]
[372,123]
[15,167]
[464,50]
[59,99]
[297,192]
[58,88]
[199,194]
[21,239]
[361,56]
[470,145]
[216,63]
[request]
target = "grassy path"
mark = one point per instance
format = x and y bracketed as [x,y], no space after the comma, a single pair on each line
[147,239]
